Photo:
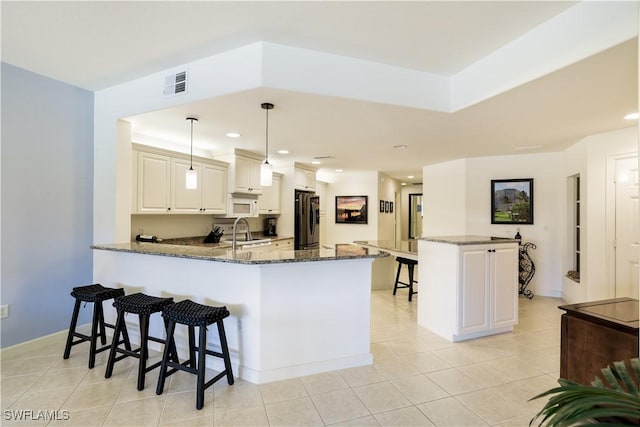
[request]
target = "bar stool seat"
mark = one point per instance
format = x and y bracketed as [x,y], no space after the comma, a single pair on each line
[410,263]
[95,294]
[193,315]
[144,306]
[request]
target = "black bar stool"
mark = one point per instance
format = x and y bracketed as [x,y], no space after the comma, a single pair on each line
[144,306]
[410,263]
[193,314]
[96,294]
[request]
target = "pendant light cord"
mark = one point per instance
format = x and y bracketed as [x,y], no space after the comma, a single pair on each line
[266,149]
[192,119]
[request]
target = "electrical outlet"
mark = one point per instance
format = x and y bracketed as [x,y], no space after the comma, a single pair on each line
[4,311]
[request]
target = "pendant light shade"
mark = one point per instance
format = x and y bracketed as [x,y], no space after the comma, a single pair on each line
[266,170]
[191,177]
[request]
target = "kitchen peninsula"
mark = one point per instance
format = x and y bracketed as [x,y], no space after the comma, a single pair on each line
[293,313]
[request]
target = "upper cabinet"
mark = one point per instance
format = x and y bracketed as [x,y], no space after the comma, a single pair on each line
[209,197]
[244,172]
[159,178]
[269,201]
[153,183]
[304,178]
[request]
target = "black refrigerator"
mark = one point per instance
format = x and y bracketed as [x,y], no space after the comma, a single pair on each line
[307,222]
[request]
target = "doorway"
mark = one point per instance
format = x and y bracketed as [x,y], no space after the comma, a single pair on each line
[415,215]
[626,227]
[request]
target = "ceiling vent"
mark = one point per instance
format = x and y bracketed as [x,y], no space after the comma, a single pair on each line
[175,84]
[323,157]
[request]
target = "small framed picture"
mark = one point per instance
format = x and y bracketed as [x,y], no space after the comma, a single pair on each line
[390,207]
[386,207]
[381,205]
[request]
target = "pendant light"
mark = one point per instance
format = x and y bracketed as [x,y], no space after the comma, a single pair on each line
[191,178]
[266,170]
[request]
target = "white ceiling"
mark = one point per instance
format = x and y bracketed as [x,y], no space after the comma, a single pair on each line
[95,45]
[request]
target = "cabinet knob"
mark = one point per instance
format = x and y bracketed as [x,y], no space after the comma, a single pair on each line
[168,209]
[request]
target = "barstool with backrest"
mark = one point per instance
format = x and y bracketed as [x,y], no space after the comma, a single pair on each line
[144,306]
[193,314]
[410,263]
[95,294]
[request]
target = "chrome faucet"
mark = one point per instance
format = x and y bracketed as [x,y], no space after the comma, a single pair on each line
[235,232]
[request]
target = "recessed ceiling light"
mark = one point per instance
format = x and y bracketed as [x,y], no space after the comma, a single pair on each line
[632,116]
[401,146]
[283,151]
[315,162]
[410,176]
[339,170]
[232,134]
[403,183]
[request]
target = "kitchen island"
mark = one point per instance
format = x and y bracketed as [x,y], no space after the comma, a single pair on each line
[468,285]
[293,313]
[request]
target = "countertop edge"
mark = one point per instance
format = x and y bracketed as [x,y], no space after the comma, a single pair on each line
[468,240]
[224,254]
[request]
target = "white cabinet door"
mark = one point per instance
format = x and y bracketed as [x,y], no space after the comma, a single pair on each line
[473,297]
[504,286]
[185,200]
[247,175]
[304,179]
[154,183]
[270,198]
[214,189]
[488,295]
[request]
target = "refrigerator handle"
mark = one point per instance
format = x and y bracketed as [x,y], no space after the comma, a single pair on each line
[312,219]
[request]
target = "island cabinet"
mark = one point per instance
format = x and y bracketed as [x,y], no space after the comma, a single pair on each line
[468,286]
[159,183]
[244,172]
[269,201]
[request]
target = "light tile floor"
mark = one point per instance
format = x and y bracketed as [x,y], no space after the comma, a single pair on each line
[417,379]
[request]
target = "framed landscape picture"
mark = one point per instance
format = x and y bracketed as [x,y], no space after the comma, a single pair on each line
[351,209]
[512,201]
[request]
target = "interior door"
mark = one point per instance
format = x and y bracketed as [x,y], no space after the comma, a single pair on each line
[626,223]
[415,216]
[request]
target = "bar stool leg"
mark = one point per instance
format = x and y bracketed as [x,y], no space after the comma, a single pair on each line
[410,266]
[395,287]
[192,347]
[202,353]
[171,327]
[120,327]
[94,335]
[103,332]
[225,352]
[144,350]
[72,329]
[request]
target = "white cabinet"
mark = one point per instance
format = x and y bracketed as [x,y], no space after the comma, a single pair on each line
[210,195]
[159,183]
[153,183]
[467,290]
[487,297]
[269,201]
[214,188]
[244,172]
[304,179]
[281,245]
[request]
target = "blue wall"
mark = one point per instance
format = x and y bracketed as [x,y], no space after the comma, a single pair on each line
[47,202]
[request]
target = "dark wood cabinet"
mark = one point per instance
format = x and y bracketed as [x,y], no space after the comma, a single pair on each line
[595,334]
